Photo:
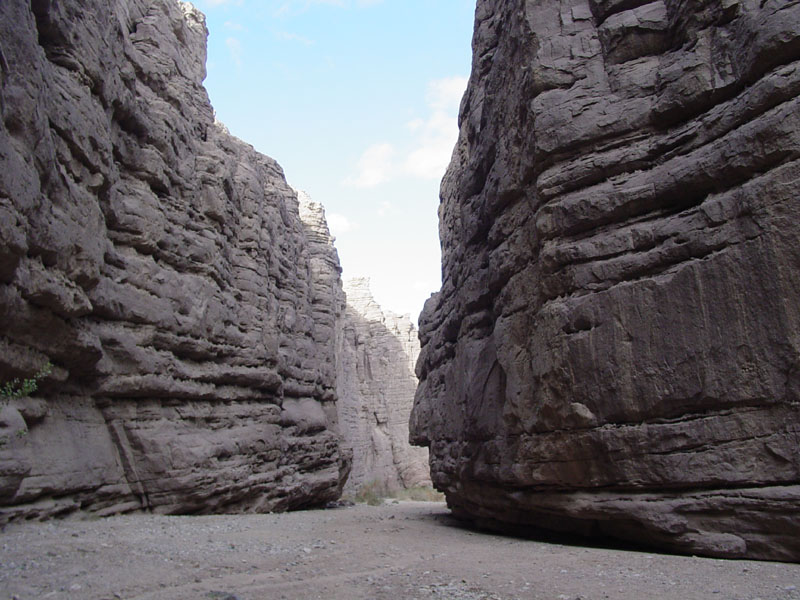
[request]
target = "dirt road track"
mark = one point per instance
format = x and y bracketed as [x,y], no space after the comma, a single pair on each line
[392,552]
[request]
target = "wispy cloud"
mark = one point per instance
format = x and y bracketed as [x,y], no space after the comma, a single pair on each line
[339,224]
[385,208]
[437,134]
[374,167]
[436,137]
[445,94]
[293,37]
[235,49]
[234,26]
[290,7]
[431,146]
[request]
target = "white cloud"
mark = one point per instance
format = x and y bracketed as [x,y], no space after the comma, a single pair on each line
[234,25]
[428,153]
[374,167]
[289,7]
[433,148]
[385,208]
[236,50]
[293,37]
[437,134]
[415,124]
[339,224]
[430,160]
[445,94]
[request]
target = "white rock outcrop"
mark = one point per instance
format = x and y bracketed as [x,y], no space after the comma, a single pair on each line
[376,354]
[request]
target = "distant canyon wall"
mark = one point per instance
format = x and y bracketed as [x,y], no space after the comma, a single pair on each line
[187,300]
[377,351]
[616,346]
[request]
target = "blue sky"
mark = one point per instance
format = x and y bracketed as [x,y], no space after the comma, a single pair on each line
[357,100]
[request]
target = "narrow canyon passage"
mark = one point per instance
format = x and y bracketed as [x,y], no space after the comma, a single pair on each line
[614,350]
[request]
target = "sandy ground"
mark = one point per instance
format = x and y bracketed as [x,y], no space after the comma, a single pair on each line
[397,551]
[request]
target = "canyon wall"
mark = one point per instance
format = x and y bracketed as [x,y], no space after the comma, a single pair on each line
[615,348]
[162,266]
[377,352]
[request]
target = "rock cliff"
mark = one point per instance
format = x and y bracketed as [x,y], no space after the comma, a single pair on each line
[615,348]
[377,352]
[163,267]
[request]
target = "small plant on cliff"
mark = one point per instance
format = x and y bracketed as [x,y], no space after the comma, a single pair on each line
[19,389]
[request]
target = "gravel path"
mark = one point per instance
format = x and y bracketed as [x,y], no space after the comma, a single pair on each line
[397,551]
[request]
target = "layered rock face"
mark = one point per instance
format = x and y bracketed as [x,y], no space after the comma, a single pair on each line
[615,347]
[164,269]
[376,355]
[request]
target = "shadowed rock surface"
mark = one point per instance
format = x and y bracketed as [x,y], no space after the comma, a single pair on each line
[376,383]
[164,269]
[614,350]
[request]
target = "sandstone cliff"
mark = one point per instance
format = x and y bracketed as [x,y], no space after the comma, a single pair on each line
[376,355]
[615,348]
[164,269]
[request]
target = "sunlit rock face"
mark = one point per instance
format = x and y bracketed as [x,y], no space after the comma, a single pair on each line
[164,269]
[615,348]
[376,354]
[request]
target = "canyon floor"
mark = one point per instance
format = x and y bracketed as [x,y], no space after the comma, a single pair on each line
[402,550]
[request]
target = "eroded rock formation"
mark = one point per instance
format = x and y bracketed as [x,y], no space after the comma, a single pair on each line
[616,344]
[164,269]
[376,383]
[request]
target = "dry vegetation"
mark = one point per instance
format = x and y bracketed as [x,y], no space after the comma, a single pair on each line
[376,493]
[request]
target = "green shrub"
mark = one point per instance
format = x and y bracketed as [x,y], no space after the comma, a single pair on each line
[19,389]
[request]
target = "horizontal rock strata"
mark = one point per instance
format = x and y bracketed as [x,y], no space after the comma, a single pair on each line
[377,351]
[615,347]
[164,269]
